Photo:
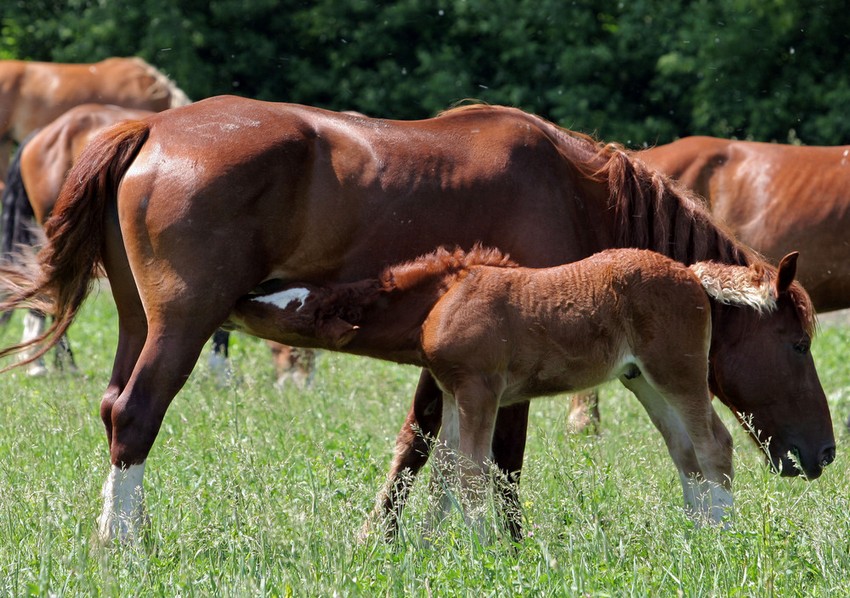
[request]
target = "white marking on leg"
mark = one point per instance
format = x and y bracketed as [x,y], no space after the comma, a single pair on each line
[444,476]
[123,504]
[707,502]
[33,328]
[283,299]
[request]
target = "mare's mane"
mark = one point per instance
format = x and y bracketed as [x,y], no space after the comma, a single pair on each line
[651,210]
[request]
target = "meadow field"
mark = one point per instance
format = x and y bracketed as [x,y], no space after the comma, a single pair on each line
[256,492]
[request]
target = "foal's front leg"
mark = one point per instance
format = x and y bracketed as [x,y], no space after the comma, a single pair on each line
[699,445]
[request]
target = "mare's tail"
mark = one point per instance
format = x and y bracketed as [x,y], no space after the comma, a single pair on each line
[75,232]
[17,224]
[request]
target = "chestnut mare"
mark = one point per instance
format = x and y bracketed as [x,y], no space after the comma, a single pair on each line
[493,335]
[192,209]
[33,183]
[775,198]
[33,94]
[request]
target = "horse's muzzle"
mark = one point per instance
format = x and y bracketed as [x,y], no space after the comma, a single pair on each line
[811,468]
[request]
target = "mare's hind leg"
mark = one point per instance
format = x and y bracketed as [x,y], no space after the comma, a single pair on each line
[698,442]
[133,418]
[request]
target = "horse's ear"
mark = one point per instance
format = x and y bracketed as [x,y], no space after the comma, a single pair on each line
[787,271]
[337,331]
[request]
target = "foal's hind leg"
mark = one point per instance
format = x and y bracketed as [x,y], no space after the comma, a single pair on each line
[413,445]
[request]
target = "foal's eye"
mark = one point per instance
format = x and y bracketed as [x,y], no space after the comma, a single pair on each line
[802,347]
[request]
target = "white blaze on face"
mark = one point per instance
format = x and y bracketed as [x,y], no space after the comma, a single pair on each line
[123,504]
[283,299]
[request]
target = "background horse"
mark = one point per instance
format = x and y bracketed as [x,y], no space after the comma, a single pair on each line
[493,335]
[278,192]
[775,198]
[32,94]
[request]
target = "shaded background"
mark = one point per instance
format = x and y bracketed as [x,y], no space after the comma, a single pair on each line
[639,72]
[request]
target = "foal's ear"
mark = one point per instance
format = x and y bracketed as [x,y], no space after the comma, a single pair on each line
[787,271]
[338,332]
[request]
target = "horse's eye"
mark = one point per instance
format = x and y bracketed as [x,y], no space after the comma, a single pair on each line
[801,347]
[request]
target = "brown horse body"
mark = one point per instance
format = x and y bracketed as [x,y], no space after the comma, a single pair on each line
[49,154]
[494,335]
[33,94]
[775,198]
[193,209]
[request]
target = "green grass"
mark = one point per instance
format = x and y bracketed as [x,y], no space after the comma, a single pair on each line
[255,492]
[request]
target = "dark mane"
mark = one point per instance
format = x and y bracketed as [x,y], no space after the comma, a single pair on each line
[441,263]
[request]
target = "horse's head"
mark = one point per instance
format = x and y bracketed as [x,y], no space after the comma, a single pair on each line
[763,370]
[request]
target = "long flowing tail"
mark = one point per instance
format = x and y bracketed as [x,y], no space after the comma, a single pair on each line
[67,264]
[17,225]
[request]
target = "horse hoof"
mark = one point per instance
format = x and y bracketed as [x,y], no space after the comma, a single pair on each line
[36,370]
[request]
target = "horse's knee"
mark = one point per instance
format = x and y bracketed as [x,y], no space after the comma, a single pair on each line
[724,452]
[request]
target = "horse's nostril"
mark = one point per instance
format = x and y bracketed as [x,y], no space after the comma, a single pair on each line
[827,455]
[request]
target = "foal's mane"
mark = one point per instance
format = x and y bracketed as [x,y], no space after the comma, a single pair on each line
[442,264]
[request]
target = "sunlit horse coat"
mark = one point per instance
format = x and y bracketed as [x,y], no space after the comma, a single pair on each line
[493,334]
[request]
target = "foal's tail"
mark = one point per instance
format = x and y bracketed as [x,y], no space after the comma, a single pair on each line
[75,232]
[17,224]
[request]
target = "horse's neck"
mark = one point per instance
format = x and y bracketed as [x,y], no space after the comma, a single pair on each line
[390,326]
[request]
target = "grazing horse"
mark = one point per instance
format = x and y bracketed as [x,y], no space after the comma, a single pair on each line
[775,198]
[192,209]
[33,94]
[493,335]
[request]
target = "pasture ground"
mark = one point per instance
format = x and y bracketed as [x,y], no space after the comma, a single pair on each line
[255,492]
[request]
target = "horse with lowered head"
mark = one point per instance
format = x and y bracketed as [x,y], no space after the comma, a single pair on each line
[493,334]
[276,193]
[33,94]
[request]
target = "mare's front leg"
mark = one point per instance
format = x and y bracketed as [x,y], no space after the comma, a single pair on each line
[413,445]
[698,442]
[584,413]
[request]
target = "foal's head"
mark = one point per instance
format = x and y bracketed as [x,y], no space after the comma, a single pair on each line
[762,367]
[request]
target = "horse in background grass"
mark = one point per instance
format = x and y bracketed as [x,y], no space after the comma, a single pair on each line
[493,334]
[776,198]
[33,94]
[192,209]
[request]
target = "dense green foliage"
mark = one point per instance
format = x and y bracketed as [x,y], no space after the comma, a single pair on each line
[255,492]
[645,71]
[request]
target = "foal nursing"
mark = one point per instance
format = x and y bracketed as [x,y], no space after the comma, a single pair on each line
[493,334]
